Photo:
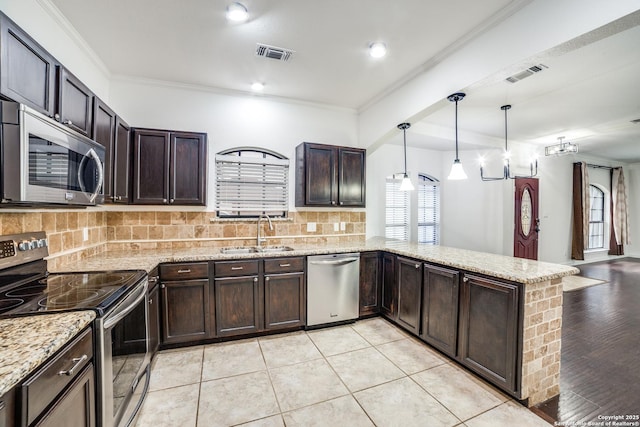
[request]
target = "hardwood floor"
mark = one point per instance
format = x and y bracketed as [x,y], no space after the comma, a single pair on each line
[600,365]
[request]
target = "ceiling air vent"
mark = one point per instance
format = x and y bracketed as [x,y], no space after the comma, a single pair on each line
[526,73]
[272,52]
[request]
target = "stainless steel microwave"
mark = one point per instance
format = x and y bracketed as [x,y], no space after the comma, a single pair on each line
[44,163]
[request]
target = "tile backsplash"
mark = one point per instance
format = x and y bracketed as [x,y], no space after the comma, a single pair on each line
[78,234]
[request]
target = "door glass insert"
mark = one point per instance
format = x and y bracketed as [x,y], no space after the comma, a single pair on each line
[525,212]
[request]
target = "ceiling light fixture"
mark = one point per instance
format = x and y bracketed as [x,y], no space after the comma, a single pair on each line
[457,172]
[257,87]
[377,50]
[561,148]
[406,184]
[506,168]
[237,12]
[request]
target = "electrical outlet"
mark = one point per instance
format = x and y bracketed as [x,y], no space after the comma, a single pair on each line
[336,226]
[343,226]
[311,227]
[85,234]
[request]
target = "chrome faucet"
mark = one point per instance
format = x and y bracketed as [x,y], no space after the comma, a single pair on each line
[259,239]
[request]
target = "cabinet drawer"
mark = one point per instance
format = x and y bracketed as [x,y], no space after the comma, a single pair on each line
[236,268]
[283,265]
[46,383]
[181,271]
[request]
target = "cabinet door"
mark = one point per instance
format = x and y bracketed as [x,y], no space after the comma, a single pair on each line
[389,286]
[321,175]
[351,173]
[76,406]
[440,308]
[409,293]
[238,305]
[75,103]
[370,286]
[285,301]
[104,133]
[489,329]
[188,170]
[154,317]
[150,167]
[27,71]
[185,309]
[121,160]
[8,408]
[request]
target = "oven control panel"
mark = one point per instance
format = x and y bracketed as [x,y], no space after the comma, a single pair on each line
[16,249]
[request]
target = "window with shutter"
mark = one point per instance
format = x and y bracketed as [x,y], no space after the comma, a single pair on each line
[250,182]
[428,210]
[397,211]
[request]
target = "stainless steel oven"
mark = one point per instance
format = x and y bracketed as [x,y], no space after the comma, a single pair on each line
[119,299]
[44,162]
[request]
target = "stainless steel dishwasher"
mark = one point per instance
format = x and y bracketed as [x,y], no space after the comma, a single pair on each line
[333,292]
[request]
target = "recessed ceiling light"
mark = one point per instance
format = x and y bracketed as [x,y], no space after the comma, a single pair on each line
[377,50]
[257,87]
[237,12]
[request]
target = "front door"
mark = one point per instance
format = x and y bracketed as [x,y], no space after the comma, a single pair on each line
[525,239]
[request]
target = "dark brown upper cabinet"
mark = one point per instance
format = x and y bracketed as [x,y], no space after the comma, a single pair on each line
[328,175]
[169,168]
[27,71]
[104,133]
[75,103]
[121,163]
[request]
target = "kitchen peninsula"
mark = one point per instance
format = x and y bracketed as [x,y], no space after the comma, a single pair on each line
[506,318]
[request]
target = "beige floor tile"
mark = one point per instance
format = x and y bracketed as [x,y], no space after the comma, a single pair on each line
[171,407]
[234,358]
[337,340]
[404,403]
[288,349]
[274,421]
[507,414]
[336,412]
[235,400]
[458,391]
[364,368]
[378,331]
[305,384]
[175,368]
[411,356]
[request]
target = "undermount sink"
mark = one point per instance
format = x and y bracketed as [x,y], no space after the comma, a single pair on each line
[274,249]
[239,250]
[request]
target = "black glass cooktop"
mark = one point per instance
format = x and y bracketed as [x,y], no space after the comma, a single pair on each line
[68,291]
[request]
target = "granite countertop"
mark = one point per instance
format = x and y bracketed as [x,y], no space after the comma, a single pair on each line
[26,342]
[500,266]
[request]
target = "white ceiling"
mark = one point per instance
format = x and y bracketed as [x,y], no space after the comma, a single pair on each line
[589,93]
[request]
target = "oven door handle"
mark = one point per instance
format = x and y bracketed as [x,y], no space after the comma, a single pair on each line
[126,307]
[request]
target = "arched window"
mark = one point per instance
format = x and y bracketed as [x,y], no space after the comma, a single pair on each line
[597,218]
[251,181]
[428,210]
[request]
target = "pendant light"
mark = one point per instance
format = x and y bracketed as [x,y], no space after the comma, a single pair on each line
[457,172]
[506,170]
[406,184]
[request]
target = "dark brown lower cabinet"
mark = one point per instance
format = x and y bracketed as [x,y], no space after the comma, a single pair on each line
[238,305]
[8,408]
[285,301]
[185,310]
[409,279]
[440,308]
[489,319]
[370,283]
[389,286]
[76,406]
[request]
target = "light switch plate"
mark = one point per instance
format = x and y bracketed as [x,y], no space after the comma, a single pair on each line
[343,226]
[311,227]
[336,226]
[85,234]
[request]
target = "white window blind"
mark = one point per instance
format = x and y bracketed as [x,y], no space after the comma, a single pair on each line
[428,210]
[397,211]
[250,182]
[596,218]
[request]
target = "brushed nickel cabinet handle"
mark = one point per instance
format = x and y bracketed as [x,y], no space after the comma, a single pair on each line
[186,270]
[285,265]
[465,279]
[237,268]
[77,361]
[266,278]
[417,266]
